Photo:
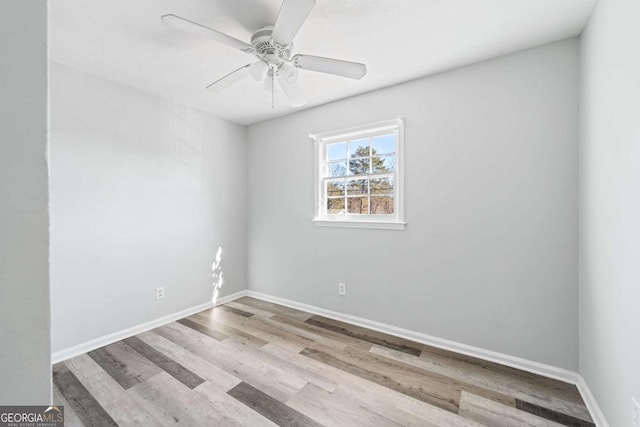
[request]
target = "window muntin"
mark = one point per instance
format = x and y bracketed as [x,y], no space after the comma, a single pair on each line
[358,176]
[366,169]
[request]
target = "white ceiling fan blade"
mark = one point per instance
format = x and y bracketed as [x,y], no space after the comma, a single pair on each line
[292,15]
[191,27]
[292,90]
[230,79]
[338,67]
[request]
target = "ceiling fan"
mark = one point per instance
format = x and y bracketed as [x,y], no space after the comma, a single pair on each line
[272,45]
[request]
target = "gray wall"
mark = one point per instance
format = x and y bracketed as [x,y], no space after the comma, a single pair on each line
[489,256]
[143,193]
[25,369]
[610,208]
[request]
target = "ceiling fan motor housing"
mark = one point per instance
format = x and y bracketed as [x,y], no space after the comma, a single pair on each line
[268,50]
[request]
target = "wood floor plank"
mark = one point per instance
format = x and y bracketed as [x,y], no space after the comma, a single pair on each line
[291,336]
[331,373]
[304,332]
[165,363]
[178,405]
[282,362]
[228,330]
[494,414]
[109,394]
[379,403]
[124,364]
[436,415]
[275,308]
[167,402]
[81,401]
[238,413]
[552,415]
[492,381]
[344,340]
[70,417]
[210,372]
[255,326]
[368,335]
[545,386]
[235,308]
[435,391]
[271,380]
[191,323]
[330,410]
[250,309]
[373,391]
[268,407]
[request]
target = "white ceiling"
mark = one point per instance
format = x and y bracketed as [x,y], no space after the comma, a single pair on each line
[399,40]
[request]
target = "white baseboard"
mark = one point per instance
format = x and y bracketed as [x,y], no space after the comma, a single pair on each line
[88,346]
[480,353]
[590,401]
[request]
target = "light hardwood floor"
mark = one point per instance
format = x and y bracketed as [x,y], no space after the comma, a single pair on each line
[253,363]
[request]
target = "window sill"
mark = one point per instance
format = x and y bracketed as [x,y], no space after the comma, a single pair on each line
[373,225]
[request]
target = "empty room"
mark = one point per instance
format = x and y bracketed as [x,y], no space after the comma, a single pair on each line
[320,213]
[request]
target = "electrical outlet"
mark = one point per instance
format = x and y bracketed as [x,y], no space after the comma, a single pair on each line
[159,293]
[636,412]
[342,288]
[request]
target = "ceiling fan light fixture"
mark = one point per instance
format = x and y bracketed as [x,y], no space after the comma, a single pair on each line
[269,80]
[258,70]
[288,72]
[291,89]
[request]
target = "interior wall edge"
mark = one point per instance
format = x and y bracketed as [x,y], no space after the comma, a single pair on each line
[25,321]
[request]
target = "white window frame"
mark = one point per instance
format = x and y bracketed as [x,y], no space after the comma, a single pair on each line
[389,222]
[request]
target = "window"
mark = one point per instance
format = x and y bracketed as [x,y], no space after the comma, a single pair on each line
[359,176]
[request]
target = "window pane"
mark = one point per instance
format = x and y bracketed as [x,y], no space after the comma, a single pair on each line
[359,166]
[381,186]
[335,188]
[335,206]
[357,186]
[383,164]
[382,205]
[359,148]
[337,169]
[384,144]
[358,205]
[337,151]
